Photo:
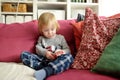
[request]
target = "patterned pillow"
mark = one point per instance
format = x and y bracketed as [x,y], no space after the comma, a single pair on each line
[96,35]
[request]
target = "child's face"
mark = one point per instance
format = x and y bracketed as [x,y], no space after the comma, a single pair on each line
[49,31]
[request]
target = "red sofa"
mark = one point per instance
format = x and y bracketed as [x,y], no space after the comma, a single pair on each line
[74,74]
[17,37]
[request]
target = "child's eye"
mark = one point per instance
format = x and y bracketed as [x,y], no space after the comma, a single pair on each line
[46,30]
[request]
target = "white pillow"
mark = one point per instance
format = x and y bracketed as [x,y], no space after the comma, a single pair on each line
[15,71]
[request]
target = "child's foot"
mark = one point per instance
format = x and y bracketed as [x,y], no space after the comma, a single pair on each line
[40,74]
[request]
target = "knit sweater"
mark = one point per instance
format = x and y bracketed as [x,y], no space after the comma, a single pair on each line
[58,41]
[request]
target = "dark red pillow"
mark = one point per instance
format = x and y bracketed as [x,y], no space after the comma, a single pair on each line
[96,35]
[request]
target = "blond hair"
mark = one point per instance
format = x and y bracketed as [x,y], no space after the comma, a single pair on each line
[45,19]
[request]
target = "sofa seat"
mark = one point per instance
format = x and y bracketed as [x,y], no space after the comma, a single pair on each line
[18,37]
[18,71]
[74,74]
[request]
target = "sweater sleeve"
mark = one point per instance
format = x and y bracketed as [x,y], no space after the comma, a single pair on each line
[40,50]
[65,46]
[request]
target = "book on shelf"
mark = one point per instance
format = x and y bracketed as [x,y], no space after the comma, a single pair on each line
[94,1]
[82,1]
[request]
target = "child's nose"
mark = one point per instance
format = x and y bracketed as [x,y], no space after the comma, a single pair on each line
[50,32]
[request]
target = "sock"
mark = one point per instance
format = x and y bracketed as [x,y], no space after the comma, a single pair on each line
[40,74]
[43,73]
[49,71]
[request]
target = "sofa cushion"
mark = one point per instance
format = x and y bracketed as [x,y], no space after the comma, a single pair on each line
[73,74]
[109,62]
[96,35]
[10,71]
[66,29]
[15,38]
[18,37]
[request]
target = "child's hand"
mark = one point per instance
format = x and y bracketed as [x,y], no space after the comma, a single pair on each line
[49,55]
[59,52]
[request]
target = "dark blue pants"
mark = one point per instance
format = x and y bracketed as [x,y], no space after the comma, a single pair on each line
[37,62]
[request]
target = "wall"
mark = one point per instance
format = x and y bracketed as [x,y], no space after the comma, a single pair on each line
[109,7]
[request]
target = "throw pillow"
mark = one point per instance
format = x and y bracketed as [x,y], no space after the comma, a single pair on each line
[96,35]
[77,27]
[15,71]
[80,17]
[109,62]
[15,38]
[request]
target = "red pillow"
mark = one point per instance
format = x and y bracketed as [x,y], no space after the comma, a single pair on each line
[77,27]
[15,38]
[96,35]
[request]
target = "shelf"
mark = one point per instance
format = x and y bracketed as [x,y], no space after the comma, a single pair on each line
[3,1]
[83,5]
[71,9]
[14,13]
[51,5]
